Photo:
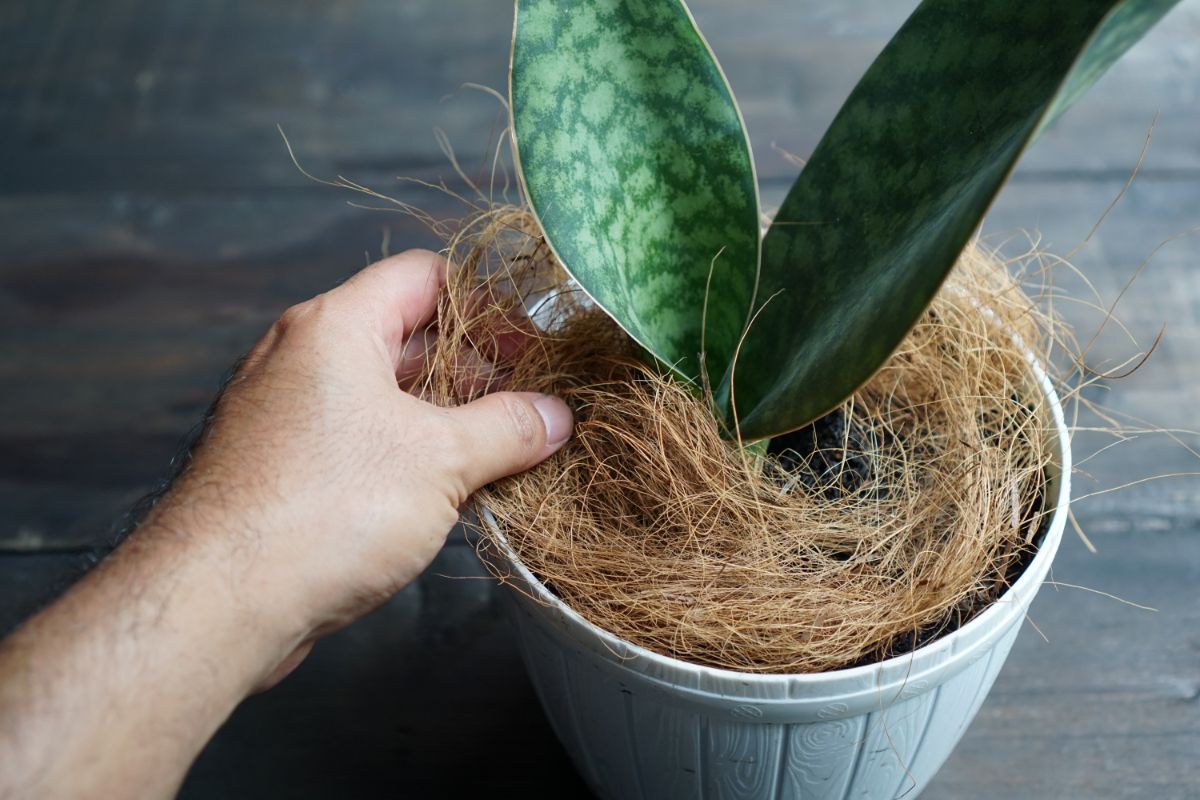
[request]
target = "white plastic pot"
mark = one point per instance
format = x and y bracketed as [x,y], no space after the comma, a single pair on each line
[642,726]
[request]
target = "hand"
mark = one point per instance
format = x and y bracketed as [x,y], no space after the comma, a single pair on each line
[318,490]
[333,487]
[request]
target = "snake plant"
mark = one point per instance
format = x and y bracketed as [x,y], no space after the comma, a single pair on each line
[634,157]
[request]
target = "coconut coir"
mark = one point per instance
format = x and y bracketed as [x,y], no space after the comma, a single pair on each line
[894,519]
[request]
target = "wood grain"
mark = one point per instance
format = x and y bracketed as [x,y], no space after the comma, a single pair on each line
[152,225]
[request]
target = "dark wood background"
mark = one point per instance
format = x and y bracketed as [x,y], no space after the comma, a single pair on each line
[152,226]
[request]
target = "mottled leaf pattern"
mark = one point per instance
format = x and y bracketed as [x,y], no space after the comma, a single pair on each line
[899,183]
[634,159]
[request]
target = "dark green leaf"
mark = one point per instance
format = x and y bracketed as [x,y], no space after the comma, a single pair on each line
[900,182]
[635,161]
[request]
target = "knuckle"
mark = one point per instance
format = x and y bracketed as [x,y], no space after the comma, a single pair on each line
[524,422]
[309,315]
[294,316]
[420,252]
[413,257]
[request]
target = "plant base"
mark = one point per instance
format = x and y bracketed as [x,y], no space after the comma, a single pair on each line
[655,527]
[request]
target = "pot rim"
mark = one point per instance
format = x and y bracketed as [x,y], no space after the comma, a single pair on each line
[971,635]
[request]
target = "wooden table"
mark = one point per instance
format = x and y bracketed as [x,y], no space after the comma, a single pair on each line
[152,225]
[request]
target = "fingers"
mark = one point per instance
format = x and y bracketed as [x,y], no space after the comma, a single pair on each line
[399,298]
[413,354]
[473,374]
[502,337]
[398,294]
[507,432]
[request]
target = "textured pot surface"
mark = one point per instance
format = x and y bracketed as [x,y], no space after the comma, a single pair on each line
[641,725]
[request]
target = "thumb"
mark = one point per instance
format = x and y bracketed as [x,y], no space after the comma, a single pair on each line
[511,432]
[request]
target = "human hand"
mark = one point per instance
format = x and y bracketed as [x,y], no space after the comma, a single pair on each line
[328,485]
[318,490]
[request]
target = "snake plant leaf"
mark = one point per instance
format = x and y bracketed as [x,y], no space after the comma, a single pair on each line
[899,184]
[634,158]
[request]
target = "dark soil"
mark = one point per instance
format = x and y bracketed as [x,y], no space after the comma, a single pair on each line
[838,447]
[832,453]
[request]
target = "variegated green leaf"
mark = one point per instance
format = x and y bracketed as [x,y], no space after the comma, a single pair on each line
[900,182]
[634,159]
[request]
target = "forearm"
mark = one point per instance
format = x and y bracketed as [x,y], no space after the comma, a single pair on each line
[319,489]
[113,691]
